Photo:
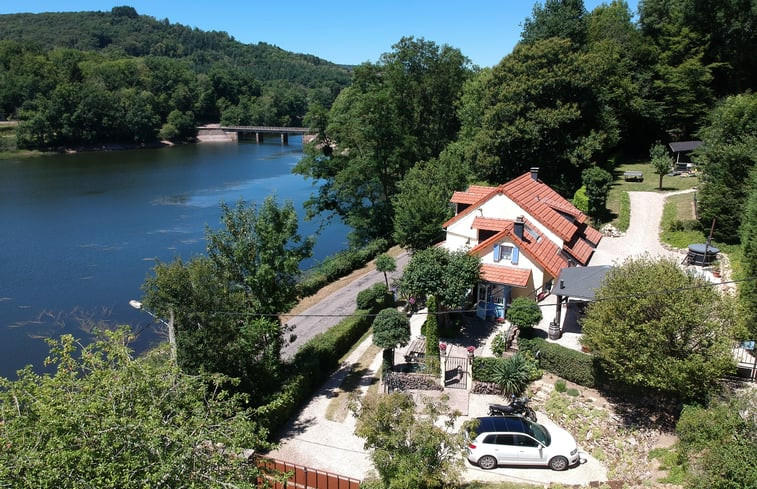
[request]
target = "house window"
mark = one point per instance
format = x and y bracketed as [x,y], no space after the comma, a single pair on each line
[503,252]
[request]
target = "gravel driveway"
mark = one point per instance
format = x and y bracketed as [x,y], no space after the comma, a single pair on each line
[643,235]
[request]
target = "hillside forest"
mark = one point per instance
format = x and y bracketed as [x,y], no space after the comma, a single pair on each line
[87,78]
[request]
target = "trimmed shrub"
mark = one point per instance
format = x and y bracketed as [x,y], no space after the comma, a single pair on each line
[560,386]
[569,364]
[499,344]
[375,298]
[524,313]
[432,337]
[581,200]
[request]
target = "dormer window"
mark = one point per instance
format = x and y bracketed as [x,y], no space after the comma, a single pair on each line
[506,252]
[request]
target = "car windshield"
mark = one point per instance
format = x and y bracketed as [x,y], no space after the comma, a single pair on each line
[540,433]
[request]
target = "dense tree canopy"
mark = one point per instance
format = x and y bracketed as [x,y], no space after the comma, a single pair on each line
[727,155]
[556,18]
[655,326]
[748,288]
[225,303]
[396,113]
[103,419]
[538,105]
[422,203]
[447,275]
[408,450]
[88,78]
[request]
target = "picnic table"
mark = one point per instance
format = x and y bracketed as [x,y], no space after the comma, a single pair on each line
[633,176]
[416,350]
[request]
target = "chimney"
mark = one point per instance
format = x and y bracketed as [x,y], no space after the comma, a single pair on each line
[534,173]
[518,226]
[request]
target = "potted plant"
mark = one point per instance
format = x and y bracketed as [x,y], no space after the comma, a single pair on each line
[471,350]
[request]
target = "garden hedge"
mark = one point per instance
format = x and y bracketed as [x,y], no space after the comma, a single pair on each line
[339,265]
[569,364]
[313,363]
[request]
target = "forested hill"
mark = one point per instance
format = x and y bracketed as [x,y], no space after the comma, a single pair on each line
[122,31]
[84,78]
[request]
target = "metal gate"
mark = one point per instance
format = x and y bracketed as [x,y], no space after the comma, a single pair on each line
[456,373]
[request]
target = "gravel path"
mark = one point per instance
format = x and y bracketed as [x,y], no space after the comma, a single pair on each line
[643,235]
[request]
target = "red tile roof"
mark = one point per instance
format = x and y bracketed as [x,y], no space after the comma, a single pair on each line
[543,251]
[545,205]
[500,274]
[490,223]
[471,195]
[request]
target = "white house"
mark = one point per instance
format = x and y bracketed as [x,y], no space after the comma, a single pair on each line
[524,232]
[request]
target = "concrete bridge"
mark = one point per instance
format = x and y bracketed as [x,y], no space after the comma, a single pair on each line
[217,132]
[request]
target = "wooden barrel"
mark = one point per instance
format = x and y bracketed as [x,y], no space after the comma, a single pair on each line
[554,331]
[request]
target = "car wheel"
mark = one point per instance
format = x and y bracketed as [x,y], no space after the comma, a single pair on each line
[487,462]
[558,463]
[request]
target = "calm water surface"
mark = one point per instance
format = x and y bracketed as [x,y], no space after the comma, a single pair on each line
[79,233]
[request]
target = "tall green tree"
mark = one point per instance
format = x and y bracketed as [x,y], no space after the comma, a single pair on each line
[661,161]
[727,155]
[396,113]
[615,44]
[539,104]
[423,202]
[598,183]
[655,326]
[681,85]
[446,275]
[225,303]
[105,419]
[410,451]
[386,263]
[556,18]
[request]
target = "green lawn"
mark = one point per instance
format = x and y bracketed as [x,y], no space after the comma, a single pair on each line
[618,205]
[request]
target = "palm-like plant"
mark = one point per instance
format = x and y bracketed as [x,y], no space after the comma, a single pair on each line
[512,375]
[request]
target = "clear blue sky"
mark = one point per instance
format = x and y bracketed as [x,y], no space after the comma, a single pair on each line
[346,32]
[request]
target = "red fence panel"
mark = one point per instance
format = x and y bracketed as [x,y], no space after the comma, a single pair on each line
[306,477]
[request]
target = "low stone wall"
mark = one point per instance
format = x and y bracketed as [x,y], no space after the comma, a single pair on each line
[212,135]
[398,381]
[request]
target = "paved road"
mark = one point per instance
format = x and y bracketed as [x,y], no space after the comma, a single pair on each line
[331,310]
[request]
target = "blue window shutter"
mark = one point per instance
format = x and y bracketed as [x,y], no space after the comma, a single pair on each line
[515,256]
[496,252]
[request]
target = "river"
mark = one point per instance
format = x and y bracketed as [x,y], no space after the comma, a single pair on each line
[80,232]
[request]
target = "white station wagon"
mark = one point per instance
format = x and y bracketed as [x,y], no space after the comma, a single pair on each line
[514,440]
